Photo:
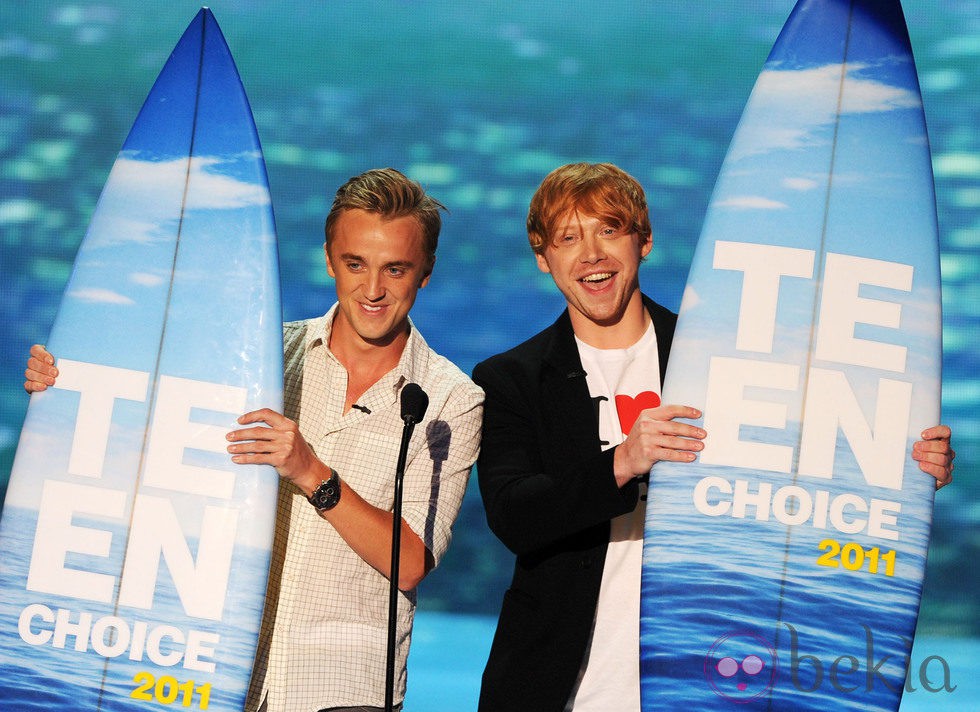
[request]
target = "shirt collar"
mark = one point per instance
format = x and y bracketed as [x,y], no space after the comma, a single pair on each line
[411,365]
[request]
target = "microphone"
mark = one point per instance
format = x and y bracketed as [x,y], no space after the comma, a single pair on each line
[414,404]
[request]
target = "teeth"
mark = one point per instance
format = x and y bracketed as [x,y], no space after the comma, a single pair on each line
[368,307]
[598,277]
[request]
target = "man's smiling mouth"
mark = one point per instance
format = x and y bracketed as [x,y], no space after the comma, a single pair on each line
[596,278]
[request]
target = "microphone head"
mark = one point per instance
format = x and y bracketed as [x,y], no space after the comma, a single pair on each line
[414,403]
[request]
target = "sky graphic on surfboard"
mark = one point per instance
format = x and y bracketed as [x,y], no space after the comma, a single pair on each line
[798,539]
[135,553]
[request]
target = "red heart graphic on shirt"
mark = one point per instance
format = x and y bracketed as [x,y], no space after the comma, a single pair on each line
[629,408]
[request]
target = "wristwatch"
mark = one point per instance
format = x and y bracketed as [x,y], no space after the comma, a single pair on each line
[327,494]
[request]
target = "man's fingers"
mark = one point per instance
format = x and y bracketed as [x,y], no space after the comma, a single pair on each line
[649,426]
[40,372]
[940,447]
[260,433]
[37,371]
[251,458]
[265,415]
[252,448]
[257,437]
[676,455]
[41,354]
[943,474]
[681,443]
[934,451]
[937,432]
[935,458]
[669,412]
[937,466]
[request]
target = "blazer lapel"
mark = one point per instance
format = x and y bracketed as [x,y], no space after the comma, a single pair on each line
[663,323]
[566,402]
[567,405]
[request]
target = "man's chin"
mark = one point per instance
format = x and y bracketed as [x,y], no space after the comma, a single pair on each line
[603,314]
[381,337]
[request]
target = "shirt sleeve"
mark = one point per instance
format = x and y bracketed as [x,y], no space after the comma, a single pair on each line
[444,448]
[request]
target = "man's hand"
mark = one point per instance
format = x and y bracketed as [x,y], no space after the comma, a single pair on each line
[280,445]
[41,371]
[934,454]
[366,529]
[656,436]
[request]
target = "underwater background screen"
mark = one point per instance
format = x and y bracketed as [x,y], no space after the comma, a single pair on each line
[478,101]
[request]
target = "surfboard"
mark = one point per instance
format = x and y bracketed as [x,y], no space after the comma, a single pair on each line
[783,569]
[133,553]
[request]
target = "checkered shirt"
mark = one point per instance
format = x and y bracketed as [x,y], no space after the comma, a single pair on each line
[323,639]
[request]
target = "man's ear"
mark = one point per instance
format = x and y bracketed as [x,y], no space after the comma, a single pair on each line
[646,246]
[542,262]
[326,255]
[427,275]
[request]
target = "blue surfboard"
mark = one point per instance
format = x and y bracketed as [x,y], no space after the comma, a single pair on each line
[133,553]
[783,569]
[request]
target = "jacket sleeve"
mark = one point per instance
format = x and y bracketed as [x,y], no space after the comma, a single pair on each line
[539,489]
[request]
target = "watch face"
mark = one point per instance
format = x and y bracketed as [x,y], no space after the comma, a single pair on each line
[326,495]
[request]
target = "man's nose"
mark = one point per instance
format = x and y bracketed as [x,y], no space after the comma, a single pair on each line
[592,249]
[374,288]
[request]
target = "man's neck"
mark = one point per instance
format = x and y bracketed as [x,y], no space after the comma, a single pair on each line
[622,333]
[366,362]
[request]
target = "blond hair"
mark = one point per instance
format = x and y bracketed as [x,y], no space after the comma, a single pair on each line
[390,194]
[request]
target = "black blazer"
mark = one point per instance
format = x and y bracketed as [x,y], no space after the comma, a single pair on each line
[549,493]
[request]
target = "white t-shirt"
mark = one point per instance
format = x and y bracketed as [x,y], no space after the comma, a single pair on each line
[623,382]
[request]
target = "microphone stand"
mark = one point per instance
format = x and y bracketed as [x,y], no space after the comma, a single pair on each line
[413,408]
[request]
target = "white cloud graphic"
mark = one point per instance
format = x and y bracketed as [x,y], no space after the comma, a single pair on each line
[94,295]
[145,279]
[155,192]
[800,184]
[751,202]
[140,181]
[798,103]
[122,228]
[690,300]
